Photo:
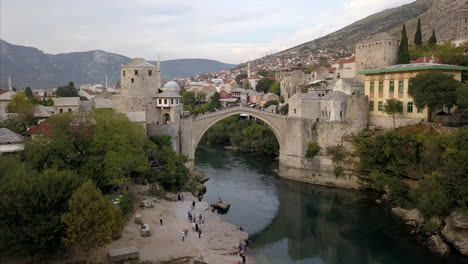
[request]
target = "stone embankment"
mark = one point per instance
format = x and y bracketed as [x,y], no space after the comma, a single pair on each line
[453,230]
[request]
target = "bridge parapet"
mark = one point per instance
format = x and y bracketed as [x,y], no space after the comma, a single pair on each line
[237,109]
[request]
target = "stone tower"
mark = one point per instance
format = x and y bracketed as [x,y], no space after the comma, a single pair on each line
[462,22]
[380,50]
[139,81]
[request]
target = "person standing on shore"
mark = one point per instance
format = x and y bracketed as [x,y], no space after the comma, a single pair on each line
[199,233]
[182,198]
[196,227]
[160,219]
[183,236]
[200,221]
[189,215]
[193,205]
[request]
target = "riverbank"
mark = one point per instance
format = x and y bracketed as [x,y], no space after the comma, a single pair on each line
[218,243]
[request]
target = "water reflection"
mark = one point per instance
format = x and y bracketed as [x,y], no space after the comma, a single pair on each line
[291,222]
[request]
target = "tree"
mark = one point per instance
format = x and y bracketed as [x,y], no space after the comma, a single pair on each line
[67,91]
[284,109]
[20,104]
[215,102]
[403,52]
[264,85]
[246,84]
[462,96]
[433,39]
[93,221]
[275,88]
[240,77]
[271,102]
[418,35]
[28,92]
[312,150]
[24,117]
[434,90]
[392,107]
[31,205]
[189,98]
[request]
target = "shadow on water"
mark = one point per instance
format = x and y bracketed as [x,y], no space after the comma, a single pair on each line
[290,222]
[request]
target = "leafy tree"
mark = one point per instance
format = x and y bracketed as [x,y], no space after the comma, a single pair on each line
[28,92]
[31,205]
[240,77]
[93,221]
[433,39]
[392,107]
[403,52]
[312,150]
[200,97]
[24,114]
[215,101]
[462,96]
[264,85]
[189,98]
[431,198]
[271,102]
[264,72]
[20,104]
[418,35]
[284,109]
[275,88]
[67,91]
[434,90]
[246,84]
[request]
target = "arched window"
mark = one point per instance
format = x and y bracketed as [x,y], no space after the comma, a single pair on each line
[133,80]
[123,73]
[69,110]
[61,110]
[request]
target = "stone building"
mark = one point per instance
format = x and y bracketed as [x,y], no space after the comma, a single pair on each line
[462,26]
[140,82]
[319,106]
[293,83]
[378,51]
[392,82]
[168,103]
[66,104]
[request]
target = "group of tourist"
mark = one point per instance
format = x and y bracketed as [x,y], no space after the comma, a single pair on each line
[192,218]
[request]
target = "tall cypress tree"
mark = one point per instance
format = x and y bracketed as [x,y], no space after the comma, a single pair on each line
[418,35]
[403,52]
[433,39]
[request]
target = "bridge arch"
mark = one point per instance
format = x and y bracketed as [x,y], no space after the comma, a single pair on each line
[201,124]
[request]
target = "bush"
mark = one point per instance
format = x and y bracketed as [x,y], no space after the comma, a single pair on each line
[126,204]
[338,153]
[312,150]
[432,226]
[271,102]
[431,198]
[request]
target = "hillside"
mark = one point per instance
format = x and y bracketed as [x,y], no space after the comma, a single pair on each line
[435,14]
[31,67]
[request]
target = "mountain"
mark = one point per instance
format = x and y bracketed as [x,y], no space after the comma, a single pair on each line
[31,67]
[435,14]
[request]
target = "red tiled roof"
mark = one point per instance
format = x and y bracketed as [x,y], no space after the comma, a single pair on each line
[2,91]
[224,95]
[331,69]
[90,92]
[349,60]
[425,59]
[41,128]
[271,78]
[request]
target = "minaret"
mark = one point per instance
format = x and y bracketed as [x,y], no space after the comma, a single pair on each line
[10,85]
[107,86]
[158,69]
[249,73]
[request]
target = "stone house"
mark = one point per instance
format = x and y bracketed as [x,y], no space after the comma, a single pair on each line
[293,83]
[326,106]
[393,82]
[5,98]
[66,104]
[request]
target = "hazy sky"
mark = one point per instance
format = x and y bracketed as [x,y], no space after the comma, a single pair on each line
[229,31]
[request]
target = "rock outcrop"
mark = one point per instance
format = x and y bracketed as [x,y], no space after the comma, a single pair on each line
[458,237]
[221,205]
[411,217]
[437,245]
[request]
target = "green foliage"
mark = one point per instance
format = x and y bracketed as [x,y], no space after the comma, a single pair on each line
[28,92]
[126,204]
[31,205]
[398,191]
[276,89]
[431,198]
[418,35]
[264,72]
[284,109]
[215,102]
[392,107]
[93,221]
[447,53]
[245,134]
[20,104]
[189,98]
[433,39]
[432,226]
[67,91]
[161,140]
[264,85]
[312,150]
[337,152]
[462,96]
[246,84]
[403,52]
[240,77]
[434,90]
[271,102]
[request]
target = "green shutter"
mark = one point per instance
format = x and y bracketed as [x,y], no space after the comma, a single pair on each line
[380,87]
[409,107]
[371,106]
[401,88]
[372,87]
[380,106]
[392,86]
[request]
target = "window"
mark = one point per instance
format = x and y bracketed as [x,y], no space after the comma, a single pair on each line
[172,101]
[159,101]
[420,110]
[150,73]
[380,87]
[371,106]
[123,73]
[133,80]
[392,86]
[136,72]
[401,88]
[409,107]
[165,101]
[380,106]
[372,87]
[61,110]
[294,110]
[69,110]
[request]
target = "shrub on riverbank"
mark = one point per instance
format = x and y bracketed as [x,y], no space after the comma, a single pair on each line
[439,163]
[312,150]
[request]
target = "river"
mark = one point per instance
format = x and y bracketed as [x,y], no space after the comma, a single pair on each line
[290,222]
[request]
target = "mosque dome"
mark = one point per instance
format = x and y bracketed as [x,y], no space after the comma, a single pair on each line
[171,86]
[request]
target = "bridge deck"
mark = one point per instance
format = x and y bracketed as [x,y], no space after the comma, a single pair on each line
[247,110]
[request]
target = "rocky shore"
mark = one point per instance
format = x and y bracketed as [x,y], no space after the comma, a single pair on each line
[440,234]
[218,243]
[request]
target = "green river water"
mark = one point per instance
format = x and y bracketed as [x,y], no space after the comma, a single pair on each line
[290,222]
